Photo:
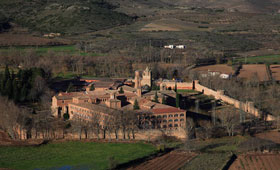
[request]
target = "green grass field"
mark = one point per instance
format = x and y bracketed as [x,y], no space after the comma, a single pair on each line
[269,59]
[72,154]
[208,161]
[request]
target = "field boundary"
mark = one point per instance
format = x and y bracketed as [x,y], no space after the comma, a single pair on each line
[229,162]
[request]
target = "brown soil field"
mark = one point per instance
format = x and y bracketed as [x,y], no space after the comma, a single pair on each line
[249,72]
[257,162]
[273,136]
[222,68]
[8,39]
[173,160]
[275,70]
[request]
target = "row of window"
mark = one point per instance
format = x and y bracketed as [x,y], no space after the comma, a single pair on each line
[170,125]
[171,120]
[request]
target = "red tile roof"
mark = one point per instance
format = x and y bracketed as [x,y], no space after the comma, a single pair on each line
[167,110]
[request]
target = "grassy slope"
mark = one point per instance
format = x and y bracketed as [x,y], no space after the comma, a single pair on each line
[64,16]
[270,59]
[92,155]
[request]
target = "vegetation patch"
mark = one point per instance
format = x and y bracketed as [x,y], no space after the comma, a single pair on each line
[73,154]
[208,161]
[268,59]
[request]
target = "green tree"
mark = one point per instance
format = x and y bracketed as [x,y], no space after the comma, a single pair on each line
[156,97]
[163,100]
[121,91]
[70,88]
[9,88]
[177,100]
[66,116]
[175,88]
[15,91]
[92,88]
[6,74]
[136,105]
[23,93]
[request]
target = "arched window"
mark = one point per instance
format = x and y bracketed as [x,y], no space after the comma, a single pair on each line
[176,125]
[170,125]
[176,120]
[170,115]
[181,120]
[176,115]
[182,114]
[170,120]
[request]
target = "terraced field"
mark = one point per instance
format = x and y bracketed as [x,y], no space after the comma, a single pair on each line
[257,162]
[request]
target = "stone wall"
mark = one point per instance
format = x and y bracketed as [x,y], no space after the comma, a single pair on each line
[219,95]
[147,135]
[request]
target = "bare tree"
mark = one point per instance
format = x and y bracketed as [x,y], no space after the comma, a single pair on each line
[229,119]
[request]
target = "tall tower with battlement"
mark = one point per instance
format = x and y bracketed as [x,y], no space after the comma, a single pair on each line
[147,77]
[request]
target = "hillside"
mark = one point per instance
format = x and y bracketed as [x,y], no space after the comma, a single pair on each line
[254,6]
[64,16]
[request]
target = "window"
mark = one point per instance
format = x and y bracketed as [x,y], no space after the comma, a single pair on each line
[176,120]
[164,116]
[170,120]
[164,121]
[181,120]
[176,115]
[182,114]
[176,125]
[159,116]
[62,101]
[170,115]
[170,125]
[164,126]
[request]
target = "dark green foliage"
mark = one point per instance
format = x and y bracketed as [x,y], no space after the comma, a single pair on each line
[112,162]
[175,88]
[70,88]
[64,16]
[18,86]
[155,87]
[66,116]
[92,88]
[177,100]
[156,97]
[163,100]
[121,91]
[136,105]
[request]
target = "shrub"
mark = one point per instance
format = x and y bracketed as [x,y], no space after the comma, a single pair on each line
[112,162]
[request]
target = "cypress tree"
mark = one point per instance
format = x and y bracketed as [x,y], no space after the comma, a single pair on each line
[9,88]
[15,91]
[6,74]
[92,88]
[175,88]
[163,100]
[136,105]
[70,88]
[23,93]
[121,91]
[177,100]
[156,97]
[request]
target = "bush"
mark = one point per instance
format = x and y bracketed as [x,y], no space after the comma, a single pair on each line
[66,116]
[112,162]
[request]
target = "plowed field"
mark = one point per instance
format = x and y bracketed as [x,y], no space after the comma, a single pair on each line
[257,162]
[173,160]
[254,71]
[272,136]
